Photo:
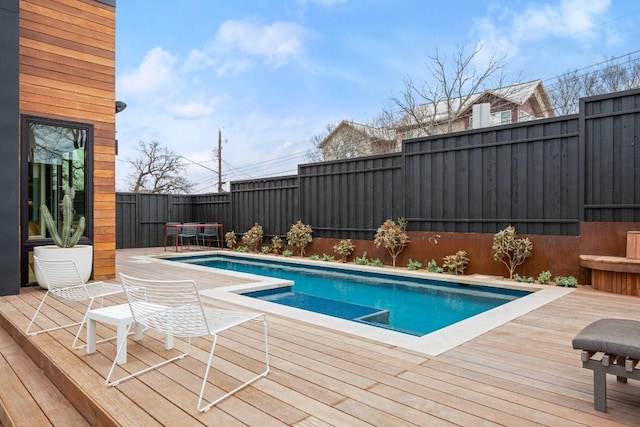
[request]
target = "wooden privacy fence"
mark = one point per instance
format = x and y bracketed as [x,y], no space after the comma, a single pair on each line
[543,176]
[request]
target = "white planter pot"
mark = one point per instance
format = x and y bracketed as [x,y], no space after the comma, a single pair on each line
[82,255]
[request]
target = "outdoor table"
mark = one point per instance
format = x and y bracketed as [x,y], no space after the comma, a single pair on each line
[179,227]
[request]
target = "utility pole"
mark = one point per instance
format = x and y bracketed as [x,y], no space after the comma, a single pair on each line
[220,190]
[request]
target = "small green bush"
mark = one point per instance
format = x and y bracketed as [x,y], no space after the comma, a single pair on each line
[376,262]
[432,267]
[265,249]
[230,238]
[567,282]
[414,265]
[544,277]
[300,236]
[326,257]
[287,253]
[276,244]
[524,279]
[391,236]
[362,260]
[314,257]
[456,263]
[344,248]
[253,237]
[241,249]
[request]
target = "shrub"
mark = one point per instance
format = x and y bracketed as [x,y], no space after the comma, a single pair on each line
[376,262]
[392,237]
[241,249]
[314,257]
[265,249]
[567,282]
[524,279]
[276,244]
[344,248]
[362,260]
[509,249]
[230,238]
[326,257]
[432,267]
[414,265]
[253,237]
[300,236]
[287,253]
[456,263]
[544,277]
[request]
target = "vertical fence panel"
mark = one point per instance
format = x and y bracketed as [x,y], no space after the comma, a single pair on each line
[611,125]
[543,176]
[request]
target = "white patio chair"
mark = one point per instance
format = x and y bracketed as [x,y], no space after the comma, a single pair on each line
[174,308]
[65,282]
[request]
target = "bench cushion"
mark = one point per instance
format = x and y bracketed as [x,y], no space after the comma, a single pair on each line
[620,337]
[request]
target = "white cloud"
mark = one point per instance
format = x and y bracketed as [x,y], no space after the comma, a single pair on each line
[505,31]
[193,109]
[154,72]
[238,45]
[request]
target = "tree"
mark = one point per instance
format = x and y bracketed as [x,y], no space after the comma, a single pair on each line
[157,170]
[433,106]
[392,237]
[612,76]
[510,249]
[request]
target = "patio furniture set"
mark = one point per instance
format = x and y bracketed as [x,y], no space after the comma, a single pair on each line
[170,307]
[193,232]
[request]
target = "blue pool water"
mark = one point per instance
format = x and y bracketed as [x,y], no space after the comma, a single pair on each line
[410,305]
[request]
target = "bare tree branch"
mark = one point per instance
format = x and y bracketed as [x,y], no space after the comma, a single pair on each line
[157,170]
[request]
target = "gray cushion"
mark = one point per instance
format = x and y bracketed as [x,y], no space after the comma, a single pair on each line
[614,336]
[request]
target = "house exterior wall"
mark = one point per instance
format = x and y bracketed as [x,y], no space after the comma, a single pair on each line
[9,172]
[67,72]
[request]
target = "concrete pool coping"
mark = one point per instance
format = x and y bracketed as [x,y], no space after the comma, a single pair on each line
[431,344]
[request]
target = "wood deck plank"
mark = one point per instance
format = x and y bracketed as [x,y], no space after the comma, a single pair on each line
[521,373]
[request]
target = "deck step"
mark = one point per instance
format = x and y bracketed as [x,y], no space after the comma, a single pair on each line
[27,396]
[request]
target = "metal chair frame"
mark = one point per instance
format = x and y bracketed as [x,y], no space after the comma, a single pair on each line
[65,282]
[174,308]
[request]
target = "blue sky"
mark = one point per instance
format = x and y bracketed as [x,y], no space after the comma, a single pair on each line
[271,74]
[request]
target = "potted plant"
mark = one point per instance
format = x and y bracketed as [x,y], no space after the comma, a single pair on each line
[65,241]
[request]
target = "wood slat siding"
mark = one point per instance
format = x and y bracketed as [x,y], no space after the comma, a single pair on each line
[273,203]
[611,125]
[482,180]
[351,197]
[67,71]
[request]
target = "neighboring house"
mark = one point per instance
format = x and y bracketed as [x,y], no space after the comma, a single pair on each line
[57,127]
[349,139]
[511,104]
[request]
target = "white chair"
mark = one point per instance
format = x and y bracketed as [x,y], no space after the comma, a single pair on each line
[174,308]
[65,282]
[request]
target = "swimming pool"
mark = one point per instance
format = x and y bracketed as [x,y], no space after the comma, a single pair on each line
[409,305]
[431,344]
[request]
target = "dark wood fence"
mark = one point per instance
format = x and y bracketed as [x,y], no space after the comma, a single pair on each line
[543,176]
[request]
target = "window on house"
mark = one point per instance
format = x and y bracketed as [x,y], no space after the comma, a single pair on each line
[525,117]
[56,154]
[501,118]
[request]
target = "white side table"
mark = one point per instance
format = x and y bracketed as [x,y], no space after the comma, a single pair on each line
[118,315]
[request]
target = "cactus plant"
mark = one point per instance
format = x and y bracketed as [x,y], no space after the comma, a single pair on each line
[67,237]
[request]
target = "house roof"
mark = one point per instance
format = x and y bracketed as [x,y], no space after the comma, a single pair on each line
[370,132]
[517,94]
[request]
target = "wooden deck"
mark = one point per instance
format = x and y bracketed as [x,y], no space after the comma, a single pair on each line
[523,373]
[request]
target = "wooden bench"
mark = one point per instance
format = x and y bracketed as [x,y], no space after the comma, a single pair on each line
[618,340]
